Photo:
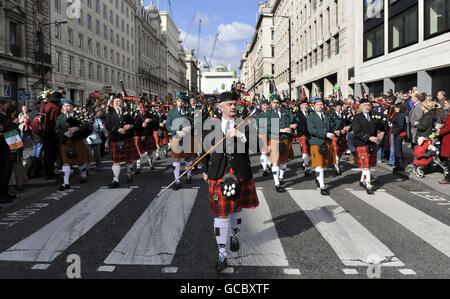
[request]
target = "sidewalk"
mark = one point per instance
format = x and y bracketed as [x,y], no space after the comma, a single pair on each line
[432,174]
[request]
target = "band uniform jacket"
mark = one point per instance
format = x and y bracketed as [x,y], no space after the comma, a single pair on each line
[319,129]
[363,129]
[172,116]
[302,124]
[216,164]
[114,123]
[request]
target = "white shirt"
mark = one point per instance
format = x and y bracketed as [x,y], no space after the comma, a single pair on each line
[230,126]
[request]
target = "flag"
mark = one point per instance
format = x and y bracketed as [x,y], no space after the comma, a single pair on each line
[73,9]
[13,140]
[223,86]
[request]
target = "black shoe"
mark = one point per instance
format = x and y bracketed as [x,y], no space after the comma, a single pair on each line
[282,182]
[308,172]
[63,187]
[369,190]
[152,168]
[189,180]
[337,172]
[265,173]
[221,265]
[114,185]
[129,179]
[137,171]
[317,183]
[234,244]
[280,189]
[324,192]
[83,181]
[177,186]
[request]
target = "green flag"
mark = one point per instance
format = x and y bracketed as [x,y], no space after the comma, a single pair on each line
[223,86]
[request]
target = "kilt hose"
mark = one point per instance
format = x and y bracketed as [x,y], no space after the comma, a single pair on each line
[276,156]
[82,152]
[129,155]
[304,145]
[342,149]
[262,144]
[161,141]
[177,150]
[364,159]
[222,207]
[148,146]
[318,160]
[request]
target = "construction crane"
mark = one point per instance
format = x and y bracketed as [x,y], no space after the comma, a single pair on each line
[208,63]
[199,37]
[189,28]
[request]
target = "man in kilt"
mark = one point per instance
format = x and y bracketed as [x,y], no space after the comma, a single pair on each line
[367,132]
[180,127]
[321,133]
[72,129]
[262,122]
[281,124]
[301,118]
[123,148]
[161,135]
[230,161]
[144,139]
[340,141]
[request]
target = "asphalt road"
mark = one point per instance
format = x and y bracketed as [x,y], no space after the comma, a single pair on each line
[401,232]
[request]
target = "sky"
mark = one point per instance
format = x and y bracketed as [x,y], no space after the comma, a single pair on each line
[233,20]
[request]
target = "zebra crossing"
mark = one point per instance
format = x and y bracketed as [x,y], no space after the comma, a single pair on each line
[153,239]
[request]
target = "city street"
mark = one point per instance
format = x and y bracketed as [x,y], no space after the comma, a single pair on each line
[403,230]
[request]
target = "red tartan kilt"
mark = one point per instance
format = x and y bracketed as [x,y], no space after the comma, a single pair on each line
[366,160]
[148,146]
[304,146]
[340,150]
[165,140]
[248,199]
[130,154]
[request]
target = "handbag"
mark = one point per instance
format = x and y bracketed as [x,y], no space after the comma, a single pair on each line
[71,153]
[282,147]
[230,186]
[323,149]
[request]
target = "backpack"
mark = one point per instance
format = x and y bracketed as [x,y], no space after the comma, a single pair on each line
[38,126]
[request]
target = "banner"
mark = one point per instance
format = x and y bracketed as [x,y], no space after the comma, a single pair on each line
[73,9]
[13,140]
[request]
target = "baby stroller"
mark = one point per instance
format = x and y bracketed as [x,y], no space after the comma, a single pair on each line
[426,154]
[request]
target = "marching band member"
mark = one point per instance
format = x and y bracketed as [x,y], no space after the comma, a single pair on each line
[301,118]
[367,135]
[231,184]
[144,139]
[179,131]
[262,122]
[280,141]
[321,134]
[72,129]
[123,148]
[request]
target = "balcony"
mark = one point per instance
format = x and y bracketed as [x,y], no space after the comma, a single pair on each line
[15,51]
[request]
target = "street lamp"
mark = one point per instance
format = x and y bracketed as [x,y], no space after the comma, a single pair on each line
[41,46]
[290,49]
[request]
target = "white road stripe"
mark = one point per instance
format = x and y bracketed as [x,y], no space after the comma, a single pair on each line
[260,244]
[50,241]
[432,231]
[154,237]
[351,241]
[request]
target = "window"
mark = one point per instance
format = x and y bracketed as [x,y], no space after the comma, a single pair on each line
[98,49]
[97,27]
[70,37]
[70,65]
[81,68]
[57,5]
[80,20]
[89,45]
[105,14]
[105,32]
[99,74]
[111,17]
[97,6]
[89,3]
[403,29]
[111,36]
[80,41]
[89,22]
[336,39]
[273,51]
[374,43]
[57,31]
[59,62]
[105,53]
[437,17]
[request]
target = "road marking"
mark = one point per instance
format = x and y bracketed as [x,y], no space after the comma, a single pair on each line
[350,271]
[260,244]
[106,269]
[259,188]
[407,272]
[41,267]
[292,271]
[169,270]
[50,241]
[154,237]
[432,231]
[351,241]
[228,270]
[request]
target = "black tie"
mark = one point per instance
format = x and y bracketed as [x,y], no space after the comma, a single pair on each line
[322,118]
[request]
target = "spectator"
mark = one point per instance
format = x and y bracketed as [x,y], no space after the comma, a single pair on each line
[424,126]
[398,125]
[94,140]
[414,116]
[25,125]
[441,113]
[18,177]
[6,124]
[444,133]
